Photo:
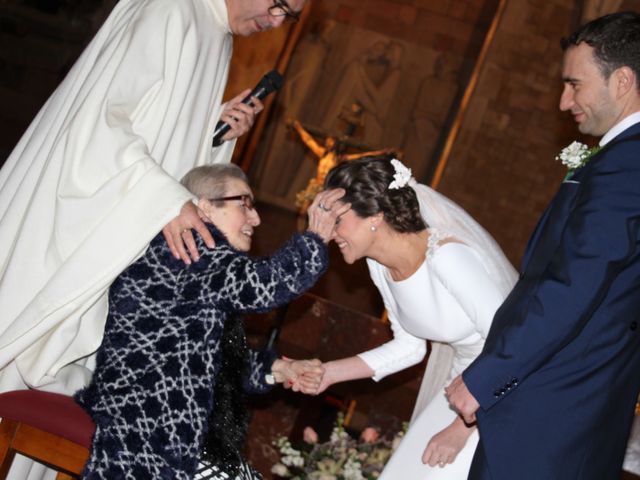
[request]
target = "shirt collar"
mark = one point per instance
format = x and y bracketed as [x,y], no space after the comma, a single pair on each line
[620,127]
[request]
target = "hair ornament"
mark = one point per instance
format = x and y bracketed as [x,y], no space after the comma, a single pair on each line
[402,176]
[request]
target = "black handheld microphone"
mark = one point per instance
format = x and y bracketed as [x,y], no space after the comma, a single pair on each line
[271,82]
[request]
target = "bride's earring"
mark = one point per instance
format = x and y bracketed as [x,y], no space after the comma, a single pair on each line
[373,228]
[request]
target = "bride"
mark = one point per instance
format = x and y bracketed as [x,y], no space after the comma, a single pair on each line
[442,277]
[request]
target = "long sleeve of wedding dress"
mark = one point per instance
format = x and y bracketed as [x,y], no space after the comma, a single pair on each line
[450,299]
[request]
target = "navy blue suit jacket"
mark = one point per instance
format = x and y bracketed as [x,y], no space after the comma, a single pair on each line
[559,375]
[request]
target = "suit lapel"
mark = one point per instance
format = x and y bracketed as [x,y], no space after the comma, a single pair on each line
[546,236]
[548,232]
[533,240]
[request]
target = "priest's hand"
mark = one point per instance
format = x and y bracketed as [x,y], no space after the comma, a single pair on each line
[179,237]
[240,116]
[462,400]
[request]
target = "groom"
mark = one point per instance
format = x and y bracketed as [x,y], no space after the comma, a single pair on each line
[555,386]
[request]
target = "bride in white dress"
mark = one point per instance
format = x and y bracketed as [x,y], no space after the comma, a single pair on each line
[442,277]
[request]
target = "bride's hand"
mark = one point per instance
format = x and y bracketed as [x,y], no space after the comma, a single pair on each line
[326,381]
[444,446]
[299,375]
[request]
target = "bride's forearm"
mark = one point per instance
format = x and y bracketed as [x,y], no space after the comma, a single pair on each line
[462,427]
[345,369]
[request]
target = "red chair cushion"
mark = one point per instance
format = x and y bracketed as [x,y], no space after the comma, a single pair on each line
[51,412]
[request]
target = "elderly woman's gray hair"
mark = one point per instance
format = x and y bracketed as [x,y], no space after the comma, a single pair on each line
[210,181]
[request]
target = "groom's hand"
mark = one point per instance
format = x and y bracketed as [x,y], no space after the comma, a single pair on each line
[461,399]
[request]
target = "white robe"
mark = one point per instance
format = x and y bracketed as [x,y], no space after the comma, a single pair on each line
[95,177]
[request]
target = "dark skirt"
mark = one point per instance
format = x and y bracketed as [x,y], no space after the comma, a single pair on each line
[212,472]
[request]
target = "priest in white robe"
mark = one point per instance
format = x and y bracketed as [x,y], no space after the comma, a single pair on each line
[95,176]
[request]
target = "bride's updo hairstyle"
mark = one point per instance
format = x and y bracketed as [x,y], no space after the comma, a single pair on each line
[366,182]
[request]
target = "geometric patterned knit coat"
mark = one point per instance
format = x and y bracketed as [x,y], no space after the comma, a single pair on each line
[153,388]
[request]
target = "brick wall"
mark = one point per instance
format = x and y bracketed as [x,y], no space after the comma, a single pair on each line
[404,62]
[502,167]
[447,25]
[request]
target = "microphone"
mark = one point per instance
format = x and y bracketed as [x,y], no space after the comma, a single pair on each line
[271,82]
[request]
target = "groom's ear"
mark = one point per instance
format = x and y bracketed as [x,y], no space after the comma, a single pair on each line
[625,81]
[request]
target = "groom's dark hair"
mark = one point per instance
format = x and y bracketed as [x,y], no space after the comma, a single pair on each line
[615,40]
[366,181]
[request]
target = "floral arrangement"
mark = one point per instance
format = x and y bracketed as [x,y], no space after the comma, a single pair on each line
[341,458]
[576,155]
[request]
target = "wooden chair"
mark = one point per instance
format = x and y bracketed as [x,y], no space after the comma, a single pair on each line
[47,427]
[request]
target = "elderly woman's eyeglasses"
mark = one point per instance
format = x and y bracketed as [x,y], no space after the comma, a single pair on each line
[246,200]
[281,8]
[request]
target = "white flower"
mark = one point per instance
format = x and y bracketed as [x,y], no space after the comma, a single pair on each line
[351,470]
[290,451]
[338,435]
[395,443]
[293,460]
[280,470]
[328,466]
[282,443]
[576,155]
[322,476]
[401,177]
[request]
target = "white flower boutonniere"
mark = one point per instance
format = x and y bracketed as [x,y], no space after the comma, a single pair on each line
[576,155]
[401,177]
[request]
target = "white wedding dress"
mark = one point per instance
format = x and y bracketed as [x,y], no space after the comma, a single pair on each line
[451,299]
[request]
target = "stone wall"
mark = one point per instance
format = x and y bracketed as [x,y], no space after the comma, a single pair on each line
[502,167]
[402,63]
[447,25]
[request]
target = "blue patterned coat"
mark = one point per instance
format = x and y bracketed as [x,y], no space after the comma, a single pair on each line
[153,388]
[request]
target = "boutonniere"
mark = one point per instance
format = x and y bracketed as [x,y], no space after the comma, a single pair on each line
[576,155]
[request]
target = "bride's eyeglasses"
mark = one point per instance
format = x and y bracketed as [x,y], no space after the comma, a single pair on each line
[246,200]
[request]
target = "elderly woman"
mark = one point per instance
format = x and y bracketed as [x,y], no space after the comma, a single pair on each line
[173,361]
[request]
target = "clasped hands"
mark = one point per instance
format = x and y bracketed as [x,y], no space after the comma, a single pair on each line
[461,399]
[303,376]
[443,447]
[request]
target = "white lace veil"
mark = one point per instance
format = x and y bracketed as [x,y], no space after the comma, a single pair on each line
[442,214]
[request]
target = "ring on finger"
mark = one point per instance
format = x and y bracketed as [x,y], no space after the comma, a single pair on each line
[441,463]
